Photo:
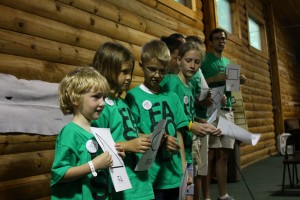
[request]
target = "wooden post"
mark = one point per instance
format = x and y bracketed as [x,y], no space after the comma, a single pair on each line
[209,19]
[274,68]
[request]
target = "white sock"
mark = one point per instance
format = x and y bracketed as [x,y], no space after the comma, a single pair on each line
[224,197]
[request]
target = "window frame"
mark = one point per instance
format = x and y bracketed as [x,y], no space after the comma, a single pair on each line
[263,33]
[189,12]
[236,36]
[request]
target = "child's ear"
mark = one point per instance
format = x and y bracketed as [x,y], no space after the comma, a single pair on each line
[178,60]
[141,64]
[75,103]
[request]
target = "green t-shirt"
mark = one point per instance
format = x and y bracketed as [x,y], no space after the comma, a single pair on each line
[148,109]
[200,111]
[118,117]
[186,98]
[211,66]
[70,151]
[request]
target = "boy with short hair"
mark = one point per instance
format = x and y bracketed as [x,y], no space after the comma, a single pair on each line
[149,105]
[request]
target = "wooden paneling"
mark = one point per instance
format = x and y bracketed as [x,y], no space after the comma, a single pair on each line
[45,39]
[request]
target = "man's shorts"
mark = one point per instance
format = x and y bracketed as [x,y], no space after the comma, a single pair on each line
[200,156]
[222,141]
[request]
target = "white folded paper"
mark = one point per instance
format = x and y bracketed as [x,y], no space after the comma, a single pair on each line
[204,86]
[230,129]
[217,94]
[118,172]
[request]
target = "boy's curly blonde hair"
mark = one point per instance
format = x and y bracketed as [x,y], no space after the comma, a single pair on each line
[76,84]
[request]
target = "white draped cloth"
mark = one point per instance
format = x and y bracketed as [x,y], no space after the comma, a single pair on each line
[30,106]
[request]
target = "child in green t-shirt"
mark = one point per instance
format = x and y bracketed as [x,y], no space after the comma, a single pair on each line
[189,59]
[116,62]
[79,169]
[149,105]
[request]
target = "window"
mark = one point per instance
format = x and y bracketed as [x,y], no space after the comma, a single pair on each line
[187,3]
[257,33]
[185,7]
[227,12]
[224,15]
[254,34]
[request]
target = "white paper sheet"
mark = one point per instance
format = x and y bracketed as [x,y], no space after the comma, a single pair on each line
[118,172]
[217,94]
[230,129]
[233,77]
[204,86]
[213,117]
[30,106]
[148,157]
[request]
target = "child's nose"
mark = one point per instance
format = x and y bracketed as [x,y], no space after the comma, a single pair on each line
[101,102]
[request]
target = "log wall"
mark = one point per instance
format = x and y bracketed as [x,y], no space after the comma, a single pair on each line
[45,39]
[260,89]
[257,91]
[289,70]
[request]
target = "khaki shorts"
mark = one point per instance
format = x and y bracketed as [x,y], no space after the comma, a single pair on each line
[222,141]
[200,155]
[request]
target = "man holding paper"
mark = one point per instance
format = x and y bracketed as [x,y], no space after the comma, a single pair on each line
[214,68]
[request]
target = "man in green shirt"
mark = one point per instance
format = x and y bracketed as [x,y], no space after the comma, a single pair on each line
[214,70]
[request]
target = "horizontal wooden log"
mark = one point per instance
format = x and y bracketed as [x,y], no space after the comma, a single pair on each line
[33,69]
[178,15]
[66,14]
[244,150]
[13,143]
[267,136]
[41,27]
[38,48]
[245,55]
[258,85]
[109,11]
[184,10]
[18,138]
[138,71]
[257,106]
[264,139]
[258,92]
[256,99]
[261,129]
[116,14]
[162,11]
[254,156]
[136,80]
[292,114]
[247,60]
[152,14]
[27,188]
[260,122]
[31,163]
[258,114]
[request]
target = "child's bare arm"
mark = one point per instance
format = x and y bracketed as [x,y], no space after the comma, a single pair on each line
[102,161]
[120,150]
[182,153]
[171,143]
[137,145]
